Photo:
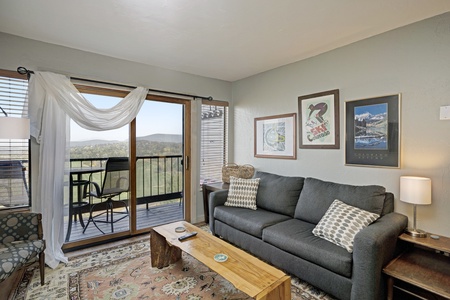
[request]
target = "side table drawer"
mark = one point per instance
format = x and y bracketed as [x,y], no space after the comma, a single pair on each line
[424,266]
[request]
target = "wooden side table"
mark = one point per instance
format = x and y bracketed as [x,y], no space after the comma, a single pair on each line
[425,265]
[207,189]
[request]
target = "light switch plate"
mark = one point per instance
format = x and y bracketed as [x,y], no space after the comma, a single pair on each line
[445,113]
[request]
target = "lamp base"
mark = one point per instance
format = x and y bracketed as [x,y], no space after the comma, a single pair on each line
[416,233]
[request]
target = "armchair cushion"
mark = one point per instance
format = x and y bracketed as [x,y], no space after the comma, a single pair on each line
[16,254]
[18,226]
[21,242]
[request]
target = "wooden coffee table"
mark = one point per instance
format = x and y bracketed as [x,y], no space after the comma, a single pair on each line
[246,272]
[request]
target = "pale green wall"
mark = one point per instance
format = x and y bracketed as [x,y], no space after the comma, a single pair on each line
[414,61]
[16,51]
[34,55]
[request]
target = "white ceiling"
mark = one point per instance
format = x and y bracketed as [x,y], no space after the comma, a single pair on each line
[224,39]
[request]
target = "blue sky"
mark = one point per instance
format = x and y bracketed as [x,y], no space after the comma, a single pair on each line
[154,117]
[374,109]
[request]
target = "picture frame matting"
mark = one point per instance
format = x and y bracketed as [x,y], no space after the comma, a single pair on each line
[275,136]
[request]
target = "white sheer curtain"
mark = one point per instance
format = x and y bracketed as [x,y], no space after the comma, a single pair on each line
[52,97]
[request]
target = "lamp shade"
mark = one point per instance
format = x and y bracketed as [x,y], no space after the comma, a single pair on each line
[14,128]
[415,190]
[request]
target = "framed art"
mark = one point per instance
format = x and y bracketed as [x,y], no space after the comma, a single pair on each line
[275,136]
[372,128]
[319,120]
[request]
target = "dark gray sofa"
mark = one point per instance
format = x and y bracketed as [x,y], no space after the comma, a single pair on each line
[279,231]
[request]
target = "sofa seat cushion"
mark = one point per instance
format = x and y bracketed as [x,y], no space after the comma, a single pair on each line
[278,193]
[296,237]
[249,221]
[15,254]
[317,196]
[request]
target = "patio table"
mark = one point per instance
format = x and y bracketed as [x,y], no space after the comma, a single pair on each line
[79,182]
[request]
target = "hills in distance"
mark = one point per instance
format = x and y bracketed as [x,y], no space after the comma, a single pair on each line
[151,145]
[158,137]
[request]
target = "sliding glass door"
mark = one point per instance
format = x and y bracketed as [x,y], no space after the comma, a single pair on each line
[159,164]
[157,148]
[86,210]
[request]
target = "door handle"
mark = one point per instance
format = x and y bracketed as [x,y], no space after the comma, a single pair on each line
[186,162]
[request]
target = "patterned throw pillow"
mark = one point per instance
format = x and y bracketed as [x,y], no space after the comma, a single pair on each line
[342,222]
[242,192]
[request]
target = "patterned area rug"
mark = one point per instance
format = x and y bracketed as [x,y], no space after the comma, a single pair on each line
[124,272]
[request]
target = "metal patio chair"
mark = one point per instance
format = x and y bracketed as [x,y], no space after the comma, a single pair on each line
[13,184]
[116,181]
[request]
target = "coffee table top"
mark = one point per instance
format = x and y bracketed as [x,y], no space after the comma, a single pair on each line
[246,272]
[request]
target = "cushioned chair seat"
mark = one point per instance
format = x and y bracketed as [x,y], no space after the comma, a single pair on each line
[295,236]
[21,242]
[247,220]
[16,254]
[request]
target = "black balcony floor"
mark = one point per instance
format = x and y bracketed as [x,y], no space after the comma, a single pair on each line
[157,214]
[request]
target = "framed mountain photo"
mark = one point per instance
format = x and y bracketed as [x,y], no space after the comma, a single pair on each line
[372,128]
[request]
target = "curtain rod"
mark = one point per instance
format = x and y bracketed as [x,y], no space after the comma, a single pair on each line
[24,71]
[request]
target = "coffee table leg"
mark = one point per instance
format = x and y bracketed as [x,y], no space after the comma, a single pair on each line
[280,290]
[162,254]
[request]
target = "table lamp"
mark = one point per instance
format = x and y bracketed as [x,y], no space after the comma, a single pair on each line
[14,128]
[417,191]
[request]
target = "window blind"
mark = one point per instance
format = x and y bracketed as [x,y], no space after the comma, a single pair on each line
[214,140]
[14,154]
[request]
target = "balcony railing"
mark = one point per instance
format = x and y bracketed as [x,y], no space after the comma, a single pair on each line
[158,178]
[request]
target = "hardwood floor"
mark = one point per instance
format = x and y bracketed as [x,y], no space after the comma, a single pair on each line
[106,245]
[115,243]
[157,214]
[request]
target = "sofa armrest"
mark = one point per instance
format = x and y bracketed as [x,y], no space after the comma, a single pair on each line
[373,248]
[217,198]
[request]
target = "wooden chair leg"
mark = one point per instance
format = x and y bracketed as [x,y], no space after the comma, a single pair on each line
[42,267]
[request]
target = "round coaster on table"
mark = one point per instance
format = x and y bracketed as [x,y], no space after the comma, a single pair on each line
[220,257]
[180,229]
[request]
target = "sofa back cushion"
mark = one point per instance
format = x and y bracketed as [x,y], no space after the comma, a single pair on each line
[278,193]
[317,196]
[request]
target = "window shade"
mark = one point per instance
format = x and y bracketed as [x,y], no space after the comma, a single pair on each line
[214,140]
[14,154]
